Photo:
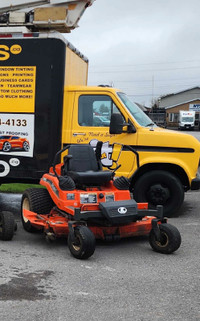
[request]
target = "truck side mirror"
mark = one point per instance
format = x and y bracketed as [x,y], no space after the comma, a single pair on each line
[117,124]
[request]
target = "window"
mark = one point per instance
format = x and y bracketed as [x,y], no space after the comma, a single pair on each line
[176,117]
[95,110]
[196,119]
[137,113]
[173,117]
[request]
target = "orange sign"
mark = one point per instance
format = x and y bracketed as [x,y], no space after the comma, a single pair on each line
[17,89]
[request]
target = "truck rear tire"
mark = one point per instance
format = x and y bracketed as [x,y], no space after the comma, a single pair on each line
[159,187]
[36,200]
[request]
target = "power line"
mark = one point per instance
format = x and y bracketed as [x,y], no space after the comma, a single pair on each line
[157,86]
[158,80]
[142,70]
[150,63]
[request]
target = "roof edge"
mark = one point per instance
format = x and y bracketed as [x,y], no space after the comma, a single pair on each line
[178,92]
[185,102]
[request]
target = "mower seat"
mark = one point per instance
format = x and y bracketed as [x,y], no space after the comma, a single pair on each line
[83,166]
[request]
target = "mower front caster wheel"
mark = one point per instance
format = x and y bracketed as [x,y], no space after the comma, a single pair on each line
[82,243]
[168,241]
[7,226]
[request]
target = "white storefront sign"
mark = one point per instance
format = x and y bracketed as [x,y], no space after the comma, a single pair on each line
[195,107]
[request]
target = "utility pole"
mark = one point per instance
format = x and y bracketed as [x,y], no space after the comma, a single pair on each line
[152,88]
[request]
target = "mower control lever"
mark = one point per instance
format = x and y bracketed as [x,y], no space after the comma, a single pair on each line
[55,159]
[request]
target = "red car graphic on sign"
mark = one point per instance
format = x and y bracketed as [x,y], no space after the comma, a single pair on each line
[11,142]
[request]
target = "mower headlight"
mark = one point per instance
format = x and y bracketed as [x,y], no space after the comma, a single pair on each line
[88,198]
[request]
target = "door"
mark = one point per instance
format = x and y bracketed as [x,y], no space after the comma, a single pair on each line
[91,121]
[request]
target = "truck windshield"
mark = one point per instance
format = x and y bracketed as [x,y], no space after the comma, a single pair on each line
[188,119]
[136,112]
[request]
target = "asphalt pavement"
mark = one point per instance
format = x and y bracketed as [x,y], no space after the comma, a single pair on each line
[124,280]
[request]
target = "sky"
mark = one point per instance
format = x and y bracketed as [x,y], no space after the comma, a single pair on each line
[146,48]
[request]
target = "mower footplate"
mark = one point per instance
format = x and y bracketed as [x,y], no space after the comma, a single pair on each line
[56,223]
[33,218]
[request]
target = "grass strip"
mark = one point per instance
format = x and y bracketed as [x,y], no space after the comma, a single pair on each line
[17,188]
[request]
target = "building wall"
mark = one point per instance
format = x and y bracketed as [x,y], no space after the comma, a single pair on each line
[172,113]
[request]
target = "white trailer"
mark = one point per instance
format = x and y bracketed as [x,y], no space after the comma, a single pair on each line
[186,120]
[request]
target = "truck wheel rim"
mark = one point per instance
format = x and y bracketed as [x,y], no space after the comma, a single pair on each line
[158,194]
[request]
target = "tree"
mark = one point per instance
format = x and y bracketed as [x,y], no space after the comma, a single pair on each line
[103,109]
[155,103]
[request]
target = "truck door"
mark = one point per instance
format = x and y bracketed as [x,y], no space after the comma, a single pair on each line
[91,121]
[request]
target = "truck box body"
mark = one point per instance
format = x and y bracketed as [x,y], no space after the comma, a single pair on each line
[33,72]
[186,119]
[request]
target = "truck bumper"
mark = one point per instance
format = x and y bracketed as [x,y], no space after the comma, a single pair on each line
[195,184]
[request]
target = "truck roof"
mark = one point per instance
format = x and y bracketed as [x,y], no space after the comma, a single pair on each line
[92,88]
[23,33]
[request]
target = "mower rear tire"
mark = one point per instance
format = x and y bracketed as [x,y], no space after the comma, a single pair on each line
[36,200]
[82,243]
[7,226]
[170,239]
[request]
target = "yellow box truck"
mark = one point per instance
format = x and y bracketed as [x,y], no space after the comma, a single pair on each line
[45,103]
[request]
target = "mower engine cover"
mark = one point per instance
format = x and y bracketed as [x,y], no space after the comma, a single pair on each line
[120,212]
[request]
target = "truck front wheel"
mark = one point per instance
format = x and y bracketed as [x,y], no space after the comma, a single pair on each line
[159,187]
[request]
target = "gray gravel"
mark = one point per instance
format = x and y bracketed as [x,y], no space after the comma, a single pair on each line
[41,281]
[122,281]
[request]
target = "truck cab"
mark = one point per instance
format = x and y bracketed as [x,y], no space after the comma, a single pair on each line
[167,162]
